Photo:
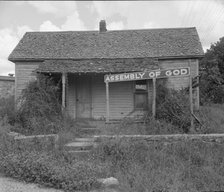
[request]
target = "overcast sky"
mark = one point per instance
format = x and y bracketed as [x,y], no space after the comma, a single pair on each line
[18,17]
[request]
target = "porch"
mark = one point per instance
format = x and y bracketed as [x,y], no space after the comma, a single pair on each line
[85,95]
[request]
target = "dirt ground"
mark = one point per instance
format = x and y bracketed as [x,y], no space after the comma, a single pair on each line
[11,185]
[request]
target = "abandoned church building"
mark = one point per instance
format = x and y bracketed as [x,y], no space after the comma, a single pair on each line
[102,71]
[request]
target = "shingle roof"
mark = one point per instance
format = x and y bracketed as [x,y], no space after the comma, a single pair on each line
[98,65]
[170,42]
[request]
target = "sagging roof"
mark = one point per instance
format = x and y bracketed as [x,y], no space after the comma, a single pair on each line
[152,43]
[97,65]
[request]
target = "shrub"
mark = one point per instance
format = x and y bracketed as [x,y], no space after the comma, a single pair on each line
[173,106]
[39,109]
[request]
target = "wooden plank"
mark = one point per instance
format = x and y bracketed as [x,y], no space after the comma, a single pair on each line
[191,103]
[149,96]
[107,103]
[154,98]
[63,90]
[191,97]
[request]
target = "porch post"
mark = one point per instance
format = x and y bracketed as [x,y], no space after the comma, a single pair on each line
[107,102]
[191,97]
[63,90]
[149,96]
[154,98]
[191,103]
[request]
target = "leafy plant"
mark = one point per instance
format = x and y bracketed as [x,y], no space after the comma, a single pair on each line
[173,107]
[212,74]
[39,108]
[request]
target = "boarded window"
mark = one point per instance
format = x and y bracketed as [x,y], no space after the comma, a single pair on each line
[141,95]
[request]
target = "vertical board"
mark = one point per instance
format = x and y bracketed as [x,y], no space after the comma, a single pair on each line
[121,98]
[107,103]
[71,96]
[98,97]
[24,73]
[182,82]
[83,96]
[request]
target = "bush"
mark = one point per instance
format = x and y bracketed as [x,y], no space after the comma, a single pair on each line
[39,106]
[173,107]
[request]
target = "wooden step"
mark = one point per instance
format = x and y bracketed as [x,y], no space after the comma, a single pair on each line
[79,146]
[85,139]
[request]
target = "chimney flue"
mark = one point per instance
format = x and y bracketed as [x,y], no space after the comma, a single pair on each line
[103,27]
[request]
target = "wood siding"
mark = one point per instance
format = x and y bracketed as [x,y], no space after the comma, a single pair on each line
[121,98]
[182,82]
[71,96]
[23,74]
[121,94]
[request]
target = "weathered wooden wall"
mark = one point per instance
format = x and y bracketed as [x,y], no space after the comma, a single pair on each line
[24,72]
[182,82]
[121,98]
[121,94]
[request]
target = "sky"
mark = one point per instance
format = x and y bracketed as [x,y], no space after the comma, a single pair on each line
[18,17]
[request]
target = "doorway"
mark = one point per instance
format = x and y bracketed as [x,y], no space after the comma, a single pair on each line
[83,96]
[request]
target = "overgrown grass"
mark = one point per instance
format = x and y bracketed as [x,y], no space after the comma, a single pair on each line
[41,163]
[128,126]
[211,118]
[157,166]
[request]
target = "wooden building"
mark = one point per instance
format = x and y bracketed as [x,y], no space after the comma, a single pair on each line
[82,58]
[7,86]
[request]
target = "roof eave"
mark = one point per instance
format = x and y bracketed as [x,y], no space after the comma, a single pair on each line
[159,58]
[182,57]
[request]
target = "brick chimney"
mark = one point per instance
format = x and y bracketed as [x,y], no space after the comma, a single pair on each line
[102,26]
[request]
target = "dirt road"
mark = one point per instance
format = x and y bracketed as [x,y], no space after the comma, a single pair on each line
[11,185]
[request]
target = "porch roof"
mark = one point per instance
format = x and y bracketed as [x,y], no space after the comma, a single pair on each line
[98,65]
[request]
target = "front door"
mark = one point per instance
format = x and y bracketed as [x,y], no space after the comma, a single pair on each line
[83,96]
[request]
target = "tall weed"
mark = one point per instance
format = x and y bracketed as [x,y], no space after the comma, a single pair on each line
[141,165]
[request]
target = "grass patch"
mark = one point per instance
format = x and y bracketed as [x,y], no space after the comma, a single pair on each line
[182,166]
[41,163]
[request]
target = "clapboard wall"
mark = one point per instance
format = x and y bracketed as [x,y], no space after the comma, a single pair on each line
[24,73]
[121,94]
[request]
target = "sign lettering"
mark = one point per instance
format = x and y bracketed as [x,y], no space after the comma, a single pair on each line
[178,72]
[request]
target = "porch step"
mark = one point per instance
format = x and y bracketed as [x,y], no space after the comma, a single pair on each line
[84,145]
[85,139]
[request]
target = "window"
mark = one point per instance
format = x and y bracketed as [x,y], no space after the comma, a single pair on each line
[141,95]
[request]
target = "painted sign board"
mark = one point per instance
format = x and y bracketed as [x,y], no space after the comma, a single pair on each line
[177,72]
